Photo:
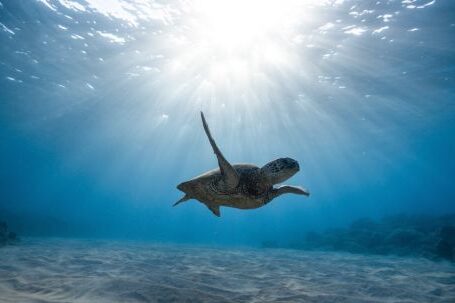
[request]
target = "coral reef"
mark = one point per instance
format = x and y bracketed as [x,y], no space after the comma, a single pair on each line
[6,236]
[404,235]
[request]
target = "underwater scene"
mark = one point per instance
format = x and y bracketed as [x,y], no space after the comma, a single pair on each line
[227,151]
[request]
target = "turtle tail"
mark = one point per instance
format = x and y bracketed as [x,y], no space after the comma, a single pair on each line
[183,199]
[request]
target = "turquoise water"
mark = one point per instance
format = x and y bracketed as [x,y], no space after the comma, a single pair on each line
[100,102]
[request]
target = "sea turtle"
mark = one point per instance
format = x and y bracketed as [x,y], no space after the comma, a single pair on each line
[243,186]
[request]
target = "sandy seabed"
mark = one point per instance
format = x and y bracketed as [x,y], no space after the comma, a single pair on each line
[57,270]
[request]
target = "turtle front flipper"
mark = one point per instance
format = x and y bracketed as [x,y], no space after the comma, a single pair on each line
[230,175]
[289,189]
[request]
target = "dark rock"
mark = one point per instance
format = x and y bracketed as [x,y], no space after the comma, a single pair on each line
[445,250]
[3,227]
[447,233]
[6,237]
[12,236]
[364,224]
[446,246]
[405,235]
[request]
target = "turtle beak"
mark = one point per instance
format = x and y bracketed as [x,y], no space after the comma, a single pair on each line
[294,165]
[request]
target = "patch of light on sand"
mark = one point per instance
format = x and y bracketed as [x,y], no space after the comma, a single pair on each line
[111,37]
[62,27]
[89,86]
[413,29]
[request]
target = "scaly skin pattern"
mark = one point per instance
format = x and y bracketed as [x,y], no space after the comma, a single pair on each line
[253,190]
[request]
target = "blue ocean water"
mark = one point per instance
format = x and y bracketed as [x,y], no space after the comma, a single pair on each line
[100,102]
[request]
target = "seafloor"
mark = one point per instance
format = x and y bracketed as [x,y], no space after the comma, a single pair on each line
[56,270]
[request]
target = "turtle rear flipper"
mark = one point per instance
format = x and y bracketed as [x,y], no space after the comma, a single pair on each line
[215,209]
[183,199]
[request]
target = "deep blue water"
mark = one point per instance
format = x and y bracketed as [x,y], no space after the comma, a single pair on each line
[100,101]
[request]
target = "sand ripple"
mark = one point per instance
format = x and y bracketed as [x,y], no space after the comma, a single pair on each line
[101,271]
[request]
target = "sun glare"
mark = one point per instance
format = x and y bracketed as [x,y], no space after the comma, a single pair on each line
[235,40]
[235,25]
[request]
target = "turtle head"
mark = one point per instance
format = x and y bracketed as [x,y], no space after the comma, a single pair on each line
[280,170]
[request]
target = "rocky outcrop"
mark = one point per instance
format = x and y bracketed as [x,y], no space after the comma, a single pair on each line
[425,236]
[6,236]
[404,235]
